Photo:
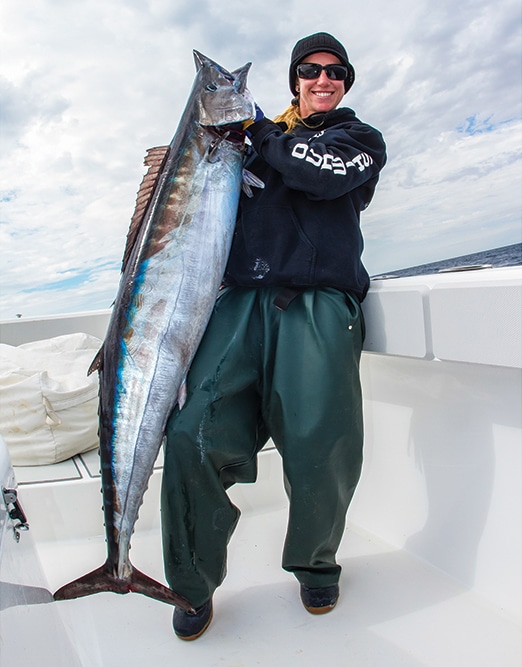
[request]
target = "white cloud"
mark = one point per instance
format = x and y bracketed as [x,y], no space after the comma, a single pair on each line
[87,86]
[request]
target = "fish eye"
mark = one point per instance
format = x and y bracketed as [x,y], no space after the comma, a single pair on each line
[211,87]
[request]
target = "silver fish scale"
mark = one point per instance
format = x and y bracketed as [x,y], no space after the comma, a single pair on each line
[167,331]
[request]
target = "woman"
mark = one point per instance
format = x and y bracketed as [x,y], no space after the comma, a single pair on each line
[280,357]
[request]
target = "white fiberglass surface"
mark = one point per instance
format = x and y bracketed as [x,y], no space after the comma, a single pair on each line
[431,557]
[441,477]
[394,610]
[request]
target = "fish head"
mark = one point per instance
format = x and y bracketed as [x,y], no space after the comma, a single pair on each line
[222,96]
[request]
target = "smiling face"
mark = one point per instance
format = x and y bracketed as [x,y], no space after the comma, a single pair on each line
[322,94]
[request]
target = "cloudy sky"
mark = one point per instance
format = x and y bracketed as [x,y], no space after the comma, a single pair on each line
[86,86]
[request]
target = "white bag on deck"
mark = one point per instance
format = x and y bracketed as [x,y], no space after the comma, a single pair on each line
[48,403]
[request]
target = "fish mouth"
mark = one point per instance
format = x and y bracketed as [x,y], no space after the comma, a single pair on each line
[231,115]
[235,114]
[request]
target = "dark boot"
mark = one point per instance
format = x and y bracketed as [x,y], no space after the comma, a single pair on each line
[319,600]
[189,626]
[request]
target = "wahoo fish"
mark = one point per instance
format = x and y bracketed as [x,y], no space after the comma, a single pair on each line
[177,248]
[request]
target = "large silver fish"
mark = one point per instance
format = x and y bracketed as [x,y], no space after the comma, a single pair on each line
[173,266]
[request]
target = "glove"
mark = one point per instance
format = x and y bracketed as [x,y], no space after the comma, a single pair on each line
[259,116]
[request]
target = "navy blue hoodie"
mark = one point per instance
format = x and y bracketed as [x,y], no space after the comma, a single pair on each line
[303,228]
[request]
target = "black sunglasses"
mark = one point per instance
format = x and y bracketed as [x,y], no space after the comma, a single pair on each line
[313,71]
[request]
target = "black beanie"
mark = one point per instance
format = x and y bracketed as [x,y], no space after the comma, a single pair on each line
[320,41]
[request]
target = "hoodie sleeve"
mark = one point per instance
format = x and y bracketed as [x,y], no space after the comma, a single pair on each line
[324,165]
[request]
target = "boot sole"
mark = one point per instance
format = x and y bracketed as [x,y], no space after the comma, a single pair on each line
[320,610]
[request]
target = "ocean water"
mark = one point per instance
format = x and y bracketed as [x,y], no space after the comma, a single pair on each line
[510,255]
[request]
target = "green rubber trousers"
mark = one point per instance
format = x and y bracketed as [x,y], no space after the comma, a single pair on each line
[262,372]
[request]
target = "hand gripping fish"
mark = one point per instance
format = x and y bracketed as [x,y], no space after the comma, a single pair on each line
[177,249]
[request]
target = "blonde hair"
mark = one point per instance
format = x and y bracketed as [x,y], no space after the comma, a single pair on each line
[291,116]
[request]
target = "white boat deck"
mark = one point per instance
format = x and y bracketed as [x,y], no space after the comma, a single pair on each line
[394,610]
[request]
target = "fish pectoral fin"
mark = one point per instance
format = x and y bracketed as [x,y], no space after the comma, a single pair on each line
[103,580]
[250,181]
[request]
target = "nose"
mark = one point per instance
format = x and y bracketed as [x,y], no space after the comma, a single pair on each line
[323,79]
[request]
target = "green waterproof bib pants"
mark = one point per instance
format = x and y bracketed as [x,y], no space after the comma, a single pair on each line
[262,372]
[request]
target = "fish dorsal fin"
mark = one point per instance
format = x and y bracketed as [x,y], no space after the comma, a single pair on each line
[154,160]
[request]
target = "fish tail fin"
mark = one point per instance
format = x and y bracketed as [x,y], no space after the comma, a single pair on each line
[141,583]
[97,581]
[104,580]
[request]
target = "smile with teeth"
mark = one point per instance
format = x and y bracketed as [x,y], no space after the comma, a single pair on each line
[323,93]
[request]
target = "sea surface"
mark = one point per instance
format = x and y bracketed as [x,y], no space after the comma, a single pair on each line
[509,255]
